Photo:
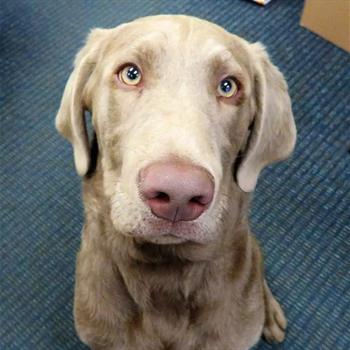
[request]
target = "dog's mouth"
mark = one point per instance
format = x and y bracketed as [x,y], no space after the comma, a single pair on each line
[160,231]
[165,239]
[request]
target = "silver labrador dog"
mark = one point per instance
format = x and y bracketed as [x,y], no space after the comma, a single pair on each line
[185,115]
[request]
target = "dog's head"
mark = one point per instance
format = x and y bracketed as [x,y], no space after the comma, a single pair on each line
[176,102]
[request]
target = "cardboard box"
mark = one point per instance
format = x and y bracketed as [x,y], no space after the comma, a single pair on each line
[330,19]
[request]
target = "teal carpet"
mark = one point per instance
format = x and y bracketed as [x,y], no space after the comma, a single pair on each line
[301,209]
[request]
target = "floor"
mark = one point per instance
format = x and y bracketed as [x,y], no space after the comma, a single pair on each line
[300,210]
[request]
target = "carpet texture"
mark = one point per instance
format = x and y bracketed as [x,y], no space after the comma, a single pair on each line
[300,212]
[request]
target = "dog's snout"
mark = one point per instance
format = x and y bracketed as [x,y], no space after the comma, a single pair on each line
[176,191]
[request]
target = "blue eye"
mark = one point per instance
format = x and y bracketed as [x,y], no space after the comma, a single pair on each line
[227,87]
[130,75]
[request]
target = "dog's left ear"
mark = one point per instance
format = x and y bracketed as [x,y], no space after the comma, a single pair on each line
[273,135]
[70,121]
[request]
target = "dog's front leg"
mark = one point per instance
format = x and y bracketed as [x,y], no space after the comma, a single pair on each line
[101,305]
[275,321]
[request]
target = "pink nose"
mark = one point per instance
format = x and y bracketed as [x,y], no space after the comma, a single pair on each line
[176,191]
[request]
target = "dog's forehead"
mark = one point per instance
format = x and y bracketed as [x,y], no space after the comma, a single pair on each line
[179,26]
[184,34]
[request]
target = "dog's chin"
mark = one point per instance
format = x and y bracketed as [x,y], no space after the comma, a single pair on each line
[161,240]
[158,231]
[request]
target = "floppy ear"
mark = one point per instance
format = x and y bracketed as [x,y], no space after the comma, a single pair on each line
[273,134]
[70,121]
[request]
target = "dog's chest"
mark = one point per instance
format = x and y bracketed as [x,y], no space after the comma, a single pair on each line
[202,316]
[187,326]
[171,321]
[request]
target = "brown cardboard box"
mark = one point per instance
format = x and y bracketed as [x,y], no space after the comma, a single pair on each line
[330,19]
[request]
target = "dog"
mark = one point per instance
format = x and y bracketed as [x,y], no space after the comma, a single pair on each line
[185,116]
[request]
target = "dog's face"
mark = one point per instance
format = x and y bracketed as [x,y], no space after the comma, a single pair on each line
[176,101]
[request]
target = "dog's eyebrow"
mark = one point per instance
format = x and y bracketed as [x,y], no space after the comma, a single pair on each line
[220,52]
[218,55]
[145,49]
[222,60]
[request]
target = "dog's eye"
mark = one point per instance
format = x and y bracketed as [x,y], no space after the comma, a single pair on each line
[130,75]
[227,87]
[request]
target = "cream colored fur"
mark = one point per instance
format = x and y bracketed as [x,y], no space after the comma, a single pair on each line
[175,114]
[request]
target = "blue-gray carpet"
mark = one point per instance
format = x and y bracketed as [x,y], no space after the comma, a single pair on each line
[301,210]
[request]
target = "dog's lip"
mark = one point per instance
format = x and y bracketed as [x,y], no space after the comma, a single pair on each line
[166,239]
[165,231]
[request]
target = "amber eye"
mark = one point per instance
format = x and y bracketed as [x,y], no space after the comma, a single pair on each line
[227,87]
[130,75]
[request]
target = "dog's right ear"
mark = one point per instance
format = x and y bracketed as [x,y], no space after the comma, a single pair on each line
[70,121]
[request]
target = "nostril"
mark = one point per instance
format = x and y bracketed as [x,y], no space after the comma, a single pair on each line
[198,200]
[202,200]
[162,197]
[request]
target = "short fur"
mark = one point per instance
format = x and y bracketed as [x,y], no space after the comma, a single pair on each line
[143,283]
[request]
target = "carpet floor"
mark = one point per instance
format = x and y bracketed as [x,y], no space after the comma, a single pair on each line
[301,208]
